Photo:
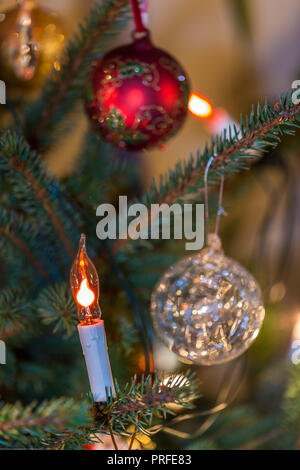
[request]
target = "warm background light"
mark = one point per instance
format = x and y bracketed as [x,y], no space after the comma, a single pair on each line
[199,106]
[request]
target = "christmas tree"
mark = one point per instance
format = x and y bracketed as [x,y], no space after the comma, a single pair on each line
[44,386]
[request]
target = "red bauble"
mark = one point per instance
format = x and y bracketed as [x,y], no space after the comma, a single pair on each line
[138,95]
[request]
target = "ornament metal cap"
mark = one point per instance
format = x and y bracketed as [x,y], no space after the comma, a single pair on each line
[214,242]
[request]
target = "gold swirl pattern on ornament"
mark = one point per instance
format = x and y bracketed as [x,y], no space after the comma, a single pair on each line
[119,70]
[157,125]
[114,122]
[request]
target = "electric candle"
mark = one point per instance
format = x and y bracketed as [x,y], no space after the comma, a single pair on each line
[84,283]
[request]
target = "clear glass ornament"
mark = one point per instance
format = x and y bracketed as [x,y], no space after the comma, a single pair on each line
[207,308]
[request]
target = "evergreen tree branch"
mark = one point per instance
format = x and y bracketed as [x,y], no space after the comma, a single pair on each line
[36,426]
[132,439]
[64,87]
[42,196]
[15,313]
[18,242]
[145,330]
[66,424]
[111,432]
[26,170]
[139,402]
[232,151]
[56,305]
[128,336]
[97,168]
[262,131]
[291,410]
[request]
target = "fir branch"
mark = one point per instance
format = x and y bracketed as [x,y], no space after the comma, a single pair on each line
[64,87]
[11,226]
[55,305]
[23,247]
[97,168]
[139,402]
[43,198]
[232,151]
[28,175]
[128,336]
[140,317]
[65,424]
[132,439]
[15,311]
[39,426]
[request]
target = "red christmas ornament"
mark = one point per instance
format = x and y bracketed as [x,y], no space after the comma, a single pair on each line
[138,95]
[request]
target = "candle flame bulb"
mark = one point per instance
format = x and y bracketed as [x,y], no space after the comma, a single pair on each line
[84,283]
[85,296]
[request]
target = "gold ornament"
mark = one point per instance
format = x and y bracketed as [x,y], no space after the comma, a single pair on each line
[31,40]
[21,46]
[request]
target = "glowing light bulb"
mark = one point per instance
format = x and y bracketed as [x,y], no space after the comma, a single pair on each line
[199,106]
[84,283]
[85,296]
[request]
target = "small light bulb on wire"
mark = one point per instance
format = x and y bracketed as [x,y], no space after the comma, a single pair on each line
[215,120]
[199,105]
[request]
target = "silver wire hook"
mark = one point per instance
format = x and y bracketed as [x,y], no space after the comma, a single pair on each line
[220,208]
[206,195]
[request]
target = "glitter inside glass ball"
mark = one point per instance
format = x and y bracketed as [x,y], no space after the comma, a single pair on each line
[207,308]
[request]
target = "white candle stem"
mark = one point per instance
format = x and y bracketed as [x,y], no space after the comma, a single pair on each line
[94,347]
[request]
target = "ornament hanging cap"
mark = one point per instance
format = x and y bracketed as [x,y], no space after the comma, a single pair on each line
[214,242]
[142,41]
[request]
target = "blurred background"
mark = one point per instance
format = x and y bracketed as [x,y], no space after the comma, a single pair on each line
[236,52]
